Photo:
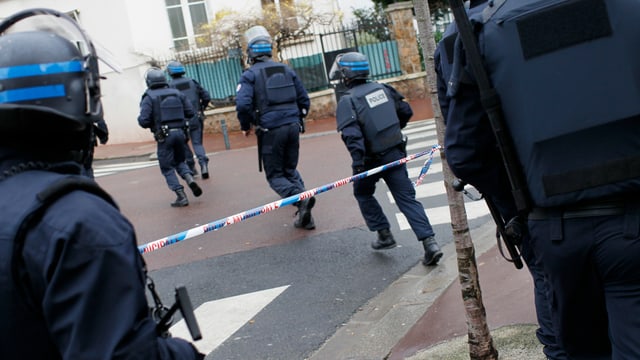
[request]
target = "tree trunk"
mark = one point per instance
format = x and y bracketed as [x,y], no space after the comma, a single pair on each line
[480,341]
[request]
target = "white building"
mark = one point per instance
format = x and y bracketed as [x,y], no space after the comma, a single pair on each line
[132,32]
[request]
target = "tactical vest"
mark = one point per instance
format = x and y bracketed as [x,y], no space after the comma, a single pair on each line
[167,106]
[22,208]
[188,88]
[275,89]
[568,76]
[376,112]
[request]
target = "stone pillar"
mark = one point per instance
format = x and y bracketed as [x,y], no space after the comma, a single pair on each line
[401,21]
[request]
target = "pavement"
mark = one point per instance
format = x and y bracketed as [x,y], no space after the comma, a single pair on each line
[421,315]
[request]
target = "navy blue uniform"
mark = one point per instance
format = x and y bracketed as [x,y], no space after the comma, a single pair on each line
[589,251]
[80,291]
[480,129]
[278,124]
[370,148]
[171,153]
[199,98]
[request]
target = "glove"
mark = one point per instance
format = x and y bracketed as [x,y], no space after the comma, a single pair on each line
[357,169]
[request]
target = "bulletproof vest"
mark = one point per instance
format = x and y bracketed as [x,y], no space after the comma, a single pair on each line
[167,106]
[376,112]
[568,76]
[275,90]
[188,88]
[26,196]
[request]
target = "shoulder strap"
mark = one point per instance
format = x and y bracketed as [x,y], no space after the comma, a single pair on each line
[55,191]
[46,198]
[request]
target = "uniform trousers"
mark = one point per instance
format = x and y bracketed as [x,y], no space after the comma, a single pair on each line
[593,267]
[402,190]
[171,158]
[195,135]
[280,149]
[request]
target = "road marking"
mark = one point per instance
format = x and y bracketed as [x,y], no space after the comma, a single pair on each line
[434,168]
[437,215]
[104,170]
[440,215]
[419,127]
[220,319]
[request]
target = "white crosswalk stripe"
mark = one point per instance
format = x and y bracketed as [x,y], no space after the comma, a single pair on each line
[104,170]
[422,135]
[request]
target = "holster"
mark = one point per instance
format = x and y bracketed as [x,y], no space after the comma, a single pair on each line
[160,134]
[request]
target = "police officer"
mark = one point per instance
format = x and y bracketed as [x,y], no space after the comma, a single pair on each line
[72,284]
[443,59]
[583,212]
[271,98]
[370,117]
[199,98]
[163,110]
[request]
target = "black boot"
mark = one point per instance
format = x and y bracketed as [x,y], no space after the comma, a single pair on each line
[432,252]
[304,214]
[385,240]
[193,185]
[192,167]
[181,200]
[205,170]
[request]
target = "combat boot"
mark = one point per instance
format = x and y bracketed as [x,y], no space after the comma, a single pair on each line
[432,252]
[192,167]
[304,214]
[204,168]
[385,240]
[181,200]
[193,185]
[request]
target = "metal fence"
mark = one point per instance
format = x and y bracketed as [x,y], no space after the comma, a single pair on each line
[311,56]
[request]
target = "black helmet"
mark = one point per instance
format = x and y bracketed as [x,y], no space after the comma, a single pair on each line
[49,81]
[350,66]
[258,42]
[155,78]
[175,68]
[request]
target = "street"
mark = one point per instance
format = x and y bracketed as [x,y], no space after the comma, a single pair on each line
[263,289]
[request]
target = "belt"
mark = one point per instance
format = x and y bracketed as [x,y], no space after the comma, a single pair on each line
[176,129]
[607,208]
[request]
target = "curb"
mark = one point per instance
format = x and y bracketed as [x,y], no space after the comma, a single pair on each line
[379,325]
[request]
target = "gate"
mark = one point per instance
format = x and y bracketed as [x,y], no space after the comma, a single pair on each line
[311,56]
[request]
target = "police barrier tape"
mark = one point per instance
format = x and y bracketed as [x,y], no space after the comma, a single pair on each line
[197,231]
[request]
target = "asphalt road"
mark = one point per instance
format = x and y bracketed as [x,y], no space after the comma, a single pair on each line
[262,288]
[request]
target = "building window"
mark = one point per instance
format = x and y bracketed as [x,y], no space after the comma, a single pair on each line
[186,18]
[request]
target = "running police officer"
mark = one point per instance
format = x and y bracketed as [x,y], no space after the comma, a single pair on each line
[72,284]
[271,98]
[494,173]
[370,117]
[575,145]
[199,98]
[163,110]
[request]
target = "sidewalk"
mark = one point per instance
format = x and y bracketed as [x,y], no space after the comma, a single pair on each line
[420,316]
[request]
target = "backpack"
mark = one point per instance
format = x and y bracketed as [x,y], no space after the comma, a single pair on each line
[568,76]
[276,89]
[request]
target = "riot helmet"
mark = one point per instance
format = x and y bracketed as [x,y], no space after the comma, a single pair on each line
[350,66]
[49,81]
[155,78]
[258,42]
[175,69]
